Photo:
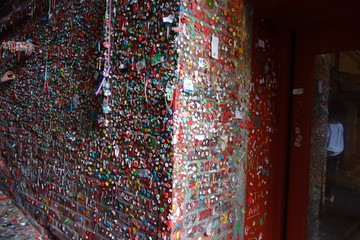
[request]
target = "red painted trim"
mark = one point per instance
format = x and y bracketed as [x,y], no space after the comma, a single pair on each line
[340,37]
[281,136]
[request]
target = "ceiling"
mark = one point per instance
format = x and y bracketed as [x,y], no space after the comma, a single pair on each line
[305,14]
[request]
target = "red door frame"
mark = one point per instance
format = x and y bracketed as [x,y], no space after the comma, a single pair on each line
[334,38]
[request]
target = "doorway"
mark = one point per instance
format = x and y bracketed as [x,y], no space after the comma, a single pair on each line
[334,186]
[308,44]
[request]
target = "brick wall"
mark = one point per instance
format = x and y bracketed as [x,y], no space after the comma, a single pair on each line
[210,120]
[48,117]
[139,120]
[138,128]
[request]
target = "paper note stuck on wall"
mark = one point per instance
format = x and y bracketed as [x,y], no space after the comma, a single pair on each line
[188,85]
[215,47]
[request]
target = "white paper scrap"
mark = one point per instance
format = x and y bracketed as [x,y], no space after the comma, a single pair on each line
[215,47]
[188,85]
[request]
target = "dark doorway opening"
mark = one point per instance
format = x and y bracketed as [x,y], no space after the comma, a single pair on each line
[337,92]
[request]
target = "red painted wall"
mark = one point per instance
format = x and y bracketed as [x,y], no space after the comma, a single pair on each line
[266,164]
